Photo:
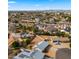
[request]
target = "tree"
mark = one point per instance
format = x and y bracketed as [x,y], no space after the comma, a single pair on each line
[16,21]
[16,45]
[21,13]
[60,33]
[24,28]
[28,41]
[57,20]
[68,19]
[35,29]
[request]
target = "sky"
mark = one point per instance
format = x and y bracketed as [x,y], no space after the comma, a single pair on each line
[39,4]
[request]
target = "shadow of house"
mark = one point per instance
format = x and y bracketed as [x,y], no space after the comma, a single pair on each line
[47,49]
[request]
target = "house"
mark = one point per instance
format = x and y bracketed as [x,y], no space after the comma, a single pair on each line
[10,39]
[41,45]
[50,27]
[16,35]
[27,35]
[40,26]
[61,39]
[37,20]
[36,54]
[27,21]
[47,27]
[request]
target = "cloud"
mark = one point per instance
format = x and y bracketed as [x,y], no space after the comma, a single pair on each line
[11,2]
[8,6]
[37,5]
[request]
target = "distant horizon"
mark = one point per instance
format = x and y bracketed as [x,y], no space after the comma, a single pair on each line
[43,10]
[39,5]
